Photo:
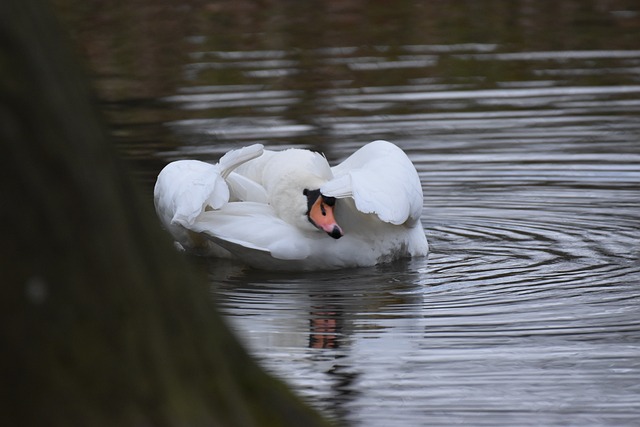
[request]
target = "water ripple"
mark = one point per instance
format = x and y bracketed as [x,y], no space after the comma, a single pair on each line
[526,312]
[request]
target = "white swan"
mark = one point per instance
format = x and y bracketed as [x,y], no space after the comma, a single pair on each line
[290,210]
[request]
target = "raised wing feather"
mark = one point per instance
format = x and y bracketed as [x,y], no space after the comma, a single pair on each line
[245,189]
[381,180]
[235,158]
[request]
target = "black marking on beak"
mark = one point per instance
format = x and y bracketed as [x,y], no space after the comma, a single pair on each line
[336,233]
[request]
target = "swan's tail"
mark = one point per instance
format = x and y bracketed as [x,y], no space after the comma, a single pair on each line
[235,158]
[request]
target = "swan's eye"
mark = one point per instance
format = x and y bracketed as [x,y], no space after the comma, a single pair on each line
[312,196]
[330,201]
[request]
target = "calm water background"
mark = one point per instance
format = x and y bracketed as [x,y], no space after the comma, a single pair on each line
[523,120]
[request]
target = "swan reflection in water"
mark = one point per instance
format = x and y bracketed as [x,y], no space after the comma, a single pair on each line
[325,328]
[311,328]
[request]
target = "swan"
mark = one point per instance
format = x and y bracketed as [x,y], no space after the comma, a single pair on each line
[290,210]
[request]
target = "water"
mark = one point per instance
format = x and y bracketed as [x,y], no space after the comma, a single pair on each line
[524,125]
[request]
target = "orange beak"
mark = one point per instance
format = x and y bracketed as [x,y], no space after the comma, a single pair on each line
[321,215]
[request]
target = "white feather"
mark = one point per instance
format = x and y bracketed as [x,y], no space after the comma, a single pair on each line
[253,225]
[251,206]
[184,188]
[235,158]
[382,180]
[245,189]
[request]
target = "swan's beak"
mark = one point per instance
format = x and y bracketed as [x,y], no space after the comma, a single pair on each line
[321,215]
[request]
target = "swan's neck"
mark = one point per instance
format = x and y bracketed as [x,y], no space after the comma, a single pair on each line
[285,177]
[289,201]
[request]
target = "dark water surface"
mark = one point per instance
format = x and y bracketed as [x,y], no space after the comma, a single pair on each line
[523,120]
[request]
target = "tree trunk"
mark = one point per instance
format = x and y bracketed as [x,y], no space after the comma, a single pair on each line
[103,323]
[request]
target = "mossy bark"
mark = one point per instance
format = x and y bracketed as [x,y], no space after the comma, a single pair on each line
[103,323]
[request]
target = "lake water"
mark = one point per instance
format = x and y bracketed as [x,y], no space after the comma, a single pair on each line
[523,120]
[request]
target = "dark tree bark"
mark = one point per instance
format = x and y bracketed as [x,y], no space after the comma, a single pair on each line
[102,322]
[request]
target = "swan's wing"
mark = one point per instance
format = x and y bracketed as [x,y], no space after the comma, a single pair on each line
[235,158]
[381,180]
[241,227]
[185,187]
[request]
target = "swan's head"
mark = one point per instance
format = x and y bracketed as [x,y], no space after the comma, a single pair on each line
[320,212]
[292,179]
